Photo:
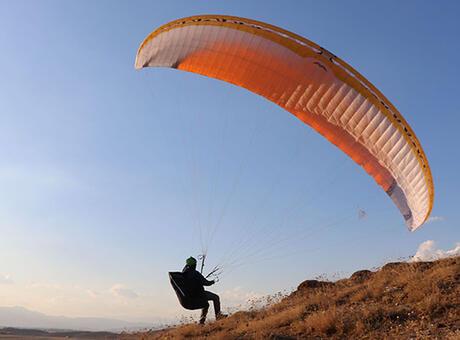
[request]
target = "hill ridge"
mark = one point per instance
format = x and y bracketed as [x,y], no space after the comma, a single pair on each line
[401,300]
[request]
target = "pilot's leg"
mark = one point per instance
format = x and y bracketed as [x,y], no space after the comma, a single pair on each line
[215,300]
[204,313]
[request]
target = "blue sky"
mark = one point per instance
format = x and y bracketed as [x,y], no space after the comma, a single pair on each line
[108,173]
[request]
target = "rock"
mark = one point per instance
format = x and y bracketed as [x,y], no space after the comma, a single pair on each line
[361,276]
[422,266]
[314,284]
[391,266]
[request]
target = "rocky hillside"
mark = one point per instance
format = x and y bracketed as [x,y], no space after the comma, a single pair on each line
[419,300]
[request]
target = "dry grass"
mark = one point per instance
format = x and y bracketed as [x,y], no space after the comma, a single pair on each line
[399,301]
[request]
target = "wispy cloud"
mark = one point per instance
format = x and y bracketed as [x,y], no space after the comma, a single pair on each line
[432,219]
[120,290]
[6,280]
[239,297]
[92,293]
[427,251]
[46,285]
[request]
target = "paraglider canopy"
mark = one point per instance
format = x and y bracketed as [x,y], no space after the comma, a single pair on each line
[311,83]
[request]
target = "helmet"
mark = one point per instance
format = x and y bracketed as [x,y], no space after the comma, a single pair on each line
[191,261]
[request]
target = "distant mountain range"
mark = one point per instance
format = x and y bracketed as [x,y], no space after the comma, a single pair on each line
[21,317]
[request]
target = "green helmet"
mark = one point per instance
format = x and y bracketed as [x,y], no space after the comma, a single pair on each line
[191,261]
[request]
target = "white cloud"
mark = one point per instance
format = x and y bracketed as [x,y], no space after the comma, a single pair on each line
[92,293]
[432,219]
[239,297]
[427,251]
[6,280]
[44,285]
[112,301]
[120,290]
